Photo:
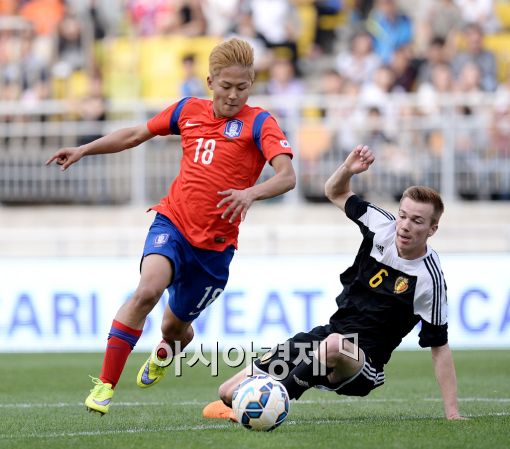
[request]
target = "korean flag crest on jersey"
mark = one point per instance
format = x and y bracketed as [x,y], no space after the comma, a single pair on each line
[233,128]
[160,240]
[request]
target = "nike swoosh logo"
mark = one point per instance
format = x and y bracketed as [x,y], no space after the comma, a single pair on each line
[105,402]
[188,123]
[145,376]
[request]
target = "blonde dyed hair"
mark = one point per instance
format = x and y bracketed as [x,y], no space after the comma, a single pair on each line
[423,194]
[234,52]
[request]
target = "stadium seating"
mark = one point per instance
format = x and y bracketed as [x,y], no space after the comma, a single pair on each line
[499,44]
[503,13]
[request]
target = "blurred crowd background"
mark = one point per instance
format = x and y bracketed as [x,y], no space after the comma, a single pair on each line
[425,83]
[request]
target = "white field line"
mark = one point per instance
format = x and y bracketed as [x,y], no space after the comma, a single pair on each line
[114,432]
[201,403]
[80,404]
[56,435]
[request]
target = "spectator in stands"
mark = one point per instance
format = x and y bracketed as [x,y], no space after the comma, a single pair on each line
[360,62]
[100,27]
[474,52]
[105,17]
[500,123]
[10,92]
[151,17]
[375,93]
[375,132]
[469,79]
[390,28]
[325,34]
[405,68]
[71,48]
[340,117]
[245,29]
[91,108]
[277,22]
[414,11]
[20,64]
[432,97]
[285,88]
[350,117]
[470,138]
[436,53]
[396,164]
[191,20]
[221,16]
[429,93]
[192,85]
[361,10]
[159,17]
[442,19]
[480,12]
[331,82]
[45,15]
[8,7]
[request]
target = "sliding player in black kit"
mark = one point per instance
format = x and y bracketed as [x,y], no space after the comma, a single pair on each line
[395,282]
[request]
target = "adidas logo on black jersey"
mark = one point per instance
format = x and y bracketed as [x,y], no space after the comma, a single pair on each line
[380,248]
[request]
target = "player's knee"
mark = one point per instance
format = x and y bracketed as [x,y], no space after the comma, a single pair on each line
[327,349]
[225,393]
[147,296]
[334,349]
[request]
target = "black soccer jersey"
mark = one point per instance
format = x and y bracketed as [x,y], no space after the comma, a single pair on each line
[385,296]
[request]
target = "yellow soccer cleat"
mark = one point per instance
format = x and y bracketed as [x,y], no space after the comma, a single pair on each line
[150,373]
[218,410]
[100,397]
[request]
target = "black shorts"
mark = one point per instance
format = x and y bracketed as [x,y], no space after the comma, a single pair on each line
[280,360]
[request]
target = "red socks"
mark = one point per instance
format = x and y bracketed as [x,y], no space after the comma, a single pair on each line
[121,341]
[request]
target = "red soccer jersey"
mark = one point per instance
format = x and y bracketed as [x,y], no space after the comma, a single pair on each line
[218,154]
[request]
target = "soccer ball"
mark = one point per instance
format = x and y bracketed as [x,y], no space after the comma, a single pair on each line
[260,403]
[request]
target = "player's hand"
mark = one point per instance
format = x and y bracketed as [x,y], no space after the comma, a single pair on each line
[359,159]
[65,157]
[240,201]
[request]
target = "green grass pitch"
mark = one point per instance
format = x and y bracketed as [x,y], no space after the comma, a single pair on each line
[41,406]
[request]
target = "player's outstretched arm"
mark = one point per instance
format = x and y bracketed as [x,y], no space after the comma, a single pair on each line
[239,201]
[338,186]
[447,380]
[114,142]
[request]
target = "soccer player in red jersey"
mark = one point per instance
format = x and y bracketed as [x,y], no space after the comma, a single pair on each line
[191,242]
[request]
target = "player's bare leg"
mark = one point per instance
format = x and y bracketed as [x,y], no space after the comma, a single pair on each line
[177,334]
[155,276]
[220,409]
[337,359]
[126,329]
[226,389]
[342,356]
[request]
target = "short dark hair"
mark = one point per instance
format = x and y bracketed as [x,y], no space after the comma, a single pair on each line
[438,41]
[423,194]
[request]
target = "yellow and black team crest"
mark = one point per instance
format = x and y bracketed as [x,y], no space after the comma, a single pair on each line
[401,284]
